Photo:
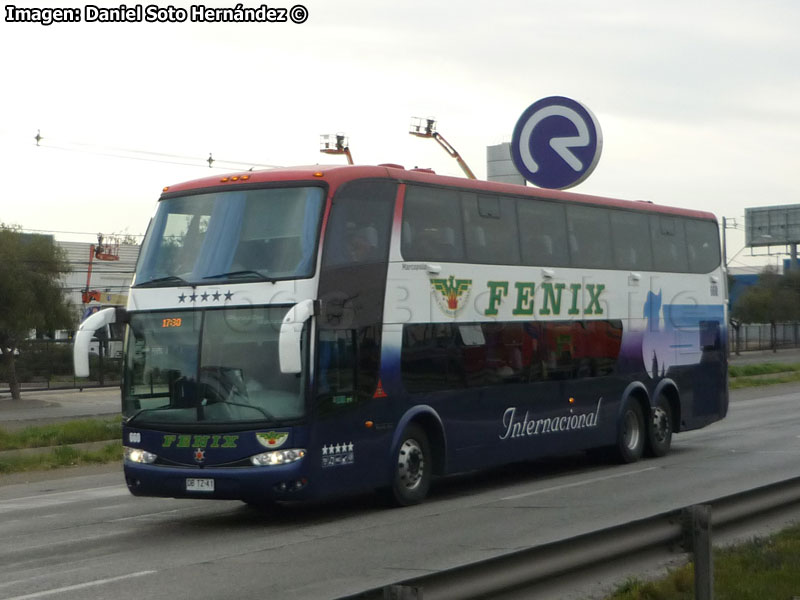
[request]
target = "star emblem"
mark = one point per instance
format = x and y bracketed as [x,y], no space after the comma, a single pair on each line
[204,297]
[199,455]
[216,295]
[182,298]
[228,295]
[193,297]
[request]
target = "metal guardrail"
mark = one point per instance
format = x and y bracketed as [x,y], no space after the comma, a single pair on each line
[47,365]
[682,529]
[763,336]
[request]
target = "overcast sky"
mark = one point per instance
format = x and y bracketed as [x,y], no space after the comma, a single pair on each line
[699,102]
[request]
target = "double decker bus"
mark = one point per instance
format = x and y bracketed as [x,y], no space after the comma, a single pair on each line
[306,332]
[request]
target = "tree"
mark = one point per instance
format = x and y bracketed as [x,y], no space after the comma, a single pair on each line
[31,293]
[775,298]
[126,238]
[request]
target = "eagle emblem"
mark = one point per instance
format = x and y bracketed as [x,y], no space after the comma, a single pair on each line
[452,293]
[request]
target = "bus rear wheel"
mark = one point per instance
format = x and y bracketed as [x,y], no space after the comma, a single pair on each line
[631,433]
[412,468]
[659,430]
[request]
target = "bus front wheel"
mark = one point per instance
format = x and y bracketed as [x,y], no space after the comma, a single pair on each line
[412,467]
[631,433]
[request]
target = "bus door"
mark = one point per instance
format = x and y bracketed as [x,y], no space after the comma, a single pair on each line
[352,286]
[337,433]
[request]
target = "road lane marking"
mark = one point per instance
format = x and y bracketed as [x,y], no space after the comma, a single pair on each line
[80,586]
[147,515]
[61,498]
[578,483]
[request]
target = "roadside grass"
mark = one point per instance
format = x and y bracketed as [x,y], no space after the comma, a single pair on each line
[761,568]
[58,434]
[743,376]
[767,368]
[59,456]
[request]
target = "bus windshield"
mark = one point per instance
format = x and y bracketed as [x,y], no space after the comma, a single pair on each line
[211,366]
[242,235]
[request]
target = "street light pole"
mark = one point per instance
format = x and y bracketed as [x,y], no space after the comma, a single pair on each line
[725,242]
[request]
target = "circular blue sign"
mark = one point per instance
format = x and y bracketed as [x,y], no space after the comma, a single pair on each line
[557,143]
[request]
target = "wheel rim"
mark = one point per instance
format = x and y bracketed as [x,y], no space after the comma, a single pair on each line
[632,433]
[410,464]
[661,425]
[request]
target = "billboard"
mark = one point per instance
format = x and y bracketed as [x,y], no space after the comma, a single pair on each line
[772,225]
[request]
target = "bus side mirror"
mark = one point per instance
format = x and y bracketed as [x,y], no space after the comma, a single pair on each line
[289,354]
[80,351]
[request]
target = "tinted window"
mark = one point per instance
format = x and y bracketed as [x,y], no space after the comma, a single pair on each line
[461,226]
[337,361]
[702,246]
[631,241]
[217,366]
[589,237]
[432,357]
[490,229]
[543,233]
[445,356]
[432,227]
[360,223]
[233,235]
[669,244]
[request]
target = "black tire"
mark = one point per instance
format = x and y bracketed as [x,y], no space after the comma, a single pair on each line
[412,468]
[659,428]
[631,433]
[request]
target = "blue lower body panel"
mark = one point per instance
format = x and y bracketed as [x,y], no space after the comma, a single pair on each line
[251,484]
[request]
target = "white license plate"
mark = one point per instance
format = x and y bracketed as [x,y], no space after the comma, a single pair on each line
[199,485]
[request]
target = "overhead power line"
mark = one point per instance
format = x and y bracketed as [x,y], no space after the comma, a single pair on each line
[43,141]
[93,233]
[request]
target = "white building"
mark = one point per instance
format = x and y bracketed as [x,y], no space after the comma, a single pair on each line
[111,279]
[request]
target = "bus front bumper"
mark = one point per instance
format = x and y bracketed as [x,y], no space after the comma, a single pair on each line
[250,484]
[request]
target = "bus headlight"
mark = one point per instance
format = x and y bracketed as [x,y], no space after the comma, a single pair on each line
[277,457]
[137,455]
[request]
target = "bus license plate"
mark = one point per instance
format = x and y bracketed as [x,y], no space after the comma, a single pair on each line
[199,485]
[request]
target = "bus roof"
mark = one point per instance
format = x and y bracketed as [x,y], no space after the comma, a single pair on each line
[336,175]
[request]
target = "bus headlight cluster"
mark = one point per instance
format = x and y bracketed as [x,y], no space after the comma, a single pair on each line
[278,457]
[137,455]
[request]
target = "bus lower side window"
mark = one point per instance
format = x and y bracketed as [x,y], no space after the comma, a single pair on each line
[448,356]
[431,359]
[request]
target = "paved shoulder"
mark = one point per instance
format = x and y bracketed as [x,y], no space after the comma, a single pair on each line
[58,405]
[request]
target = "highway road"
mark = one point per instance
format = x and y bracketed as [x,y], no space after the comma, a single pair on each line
[85,537]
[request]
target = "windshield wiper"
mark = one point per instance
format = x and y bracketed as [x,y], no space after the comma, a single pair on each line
[133,417]
[245,274]
[271,418]
[161,280]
